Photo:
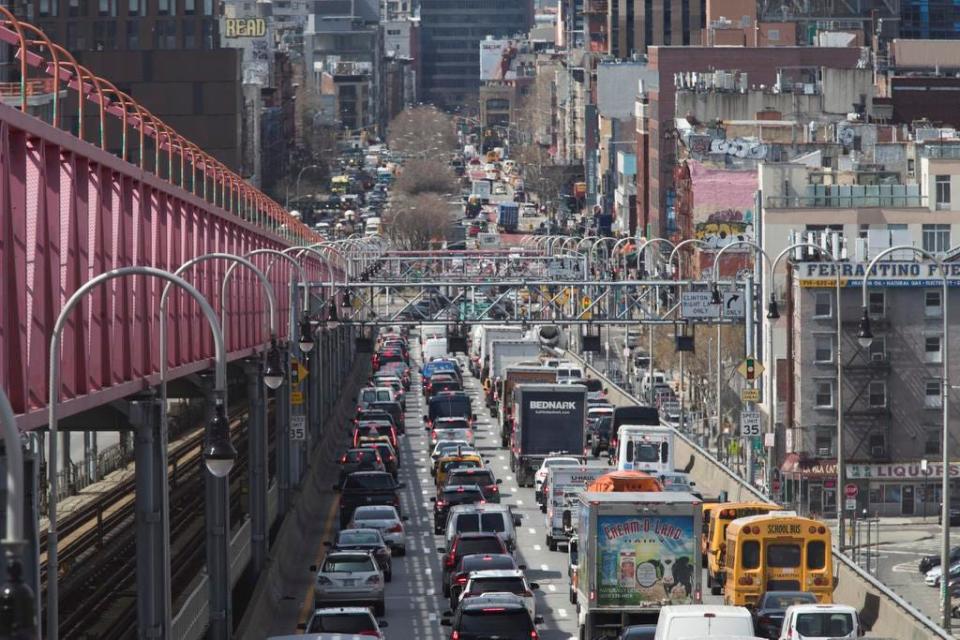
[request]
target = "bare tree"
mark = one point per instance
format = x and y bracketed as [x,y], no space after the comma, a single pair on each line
[416,222]
[535,119]
[424,132]
[426,176]
[697,363]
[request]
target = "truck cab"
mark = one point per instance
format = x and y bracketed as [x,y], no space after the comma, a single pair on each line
[645,448]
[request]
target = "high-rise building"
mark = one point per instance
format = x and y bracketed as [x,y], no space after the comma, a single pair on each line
[451,32]
[929,19]
[634,25]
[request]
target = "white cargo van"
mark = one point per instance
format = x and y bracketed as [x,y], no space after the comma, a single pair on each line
[434,348]
[645,448]
[371,227]
[703,621]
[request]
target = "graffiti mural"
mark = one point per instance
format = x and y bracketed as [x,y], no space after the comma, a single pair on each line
[723,204]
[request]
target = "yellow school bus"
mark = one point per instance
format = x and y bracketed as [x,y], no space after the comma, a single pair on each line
[339,184]
[779,551]
[723,514]
[708,508]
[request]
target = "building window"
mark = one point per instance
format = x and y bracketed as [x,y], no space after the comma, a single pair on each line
[823,348]
[878,349]
[878,445]
[133,34]
[189,7]
[105,35]
[931,304]
[824,394]
[163,7]
[933,394]
[72,39]
[877,304]
[74,11]
[189,35]
[931,441]
[824,442]
[822,305]
[134,8]
[936,238]
[878,394]
[208,9]
[932,352]
[166,32]
[206,42]
[943,192]
[49,9]
[107,8]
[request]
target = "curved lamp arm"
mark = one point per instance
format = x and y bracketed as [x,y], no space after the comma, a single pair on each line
[220,389]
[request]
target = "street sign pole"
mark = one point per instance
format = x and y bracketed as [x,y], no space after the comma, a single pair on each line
[750,348]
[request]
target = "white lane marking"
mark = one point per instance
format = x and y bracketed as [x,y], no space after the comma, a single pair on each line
[537,547]
[544,567]
[514,489]
[520,502]
[500,458]
[510,478]
[562,613]
[432,617]
[532,531]
[551,588]
[905,567]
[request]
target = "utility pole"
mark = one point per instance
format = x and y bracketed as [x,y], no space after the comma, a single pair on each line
[750,330]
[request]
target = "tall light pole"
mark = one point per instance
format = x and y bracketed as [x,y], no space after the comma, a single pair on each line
[215,455]
[19,616]
[865,337]
[218,549]
[773,313]
[750,320]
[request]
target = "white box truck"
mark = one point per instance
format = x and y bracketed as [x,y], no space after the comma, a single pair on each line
[637,552]
[562,489]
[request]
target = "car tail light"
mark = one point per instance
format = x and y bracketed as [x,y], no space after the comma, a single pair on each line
[461,580]
[493,609]
[495,489]
[373,633]
[440,504]
[455,635]
[533,635]
[373,580]
[343,459]
[397,528]
[323,580]
[449,559]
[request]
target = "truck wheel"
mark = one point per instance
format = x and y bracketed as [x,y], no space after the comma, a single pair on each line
[551,543]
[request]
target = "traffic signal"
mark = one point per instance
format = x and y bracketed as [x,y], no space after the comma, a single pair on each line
[751,366]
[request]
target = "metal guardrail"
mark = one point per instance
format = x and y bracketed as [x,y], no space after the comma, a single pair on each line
[190,623]
[932,627]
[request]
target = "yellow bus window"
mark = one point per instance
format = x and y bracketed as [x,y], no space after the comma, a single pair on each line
[816,554]
[750,558]
[783,555]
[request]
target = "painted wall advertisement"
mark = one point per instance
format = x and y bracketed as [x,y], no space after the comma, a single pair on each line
[645,560]
[723,204]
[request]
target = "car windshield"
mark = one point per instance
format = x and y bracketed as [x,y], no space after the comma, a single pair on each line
[348,564]
[784,600]
[448,406]
[481,478]
[453,424]
[465,493]
[361,455]
[493,585]
[482,563]
[472,522]
[359,537]
[384,396]
[375,513]
[460,464]
[504,624]
[368,395]
[824,624]
[341,623]
[369,481]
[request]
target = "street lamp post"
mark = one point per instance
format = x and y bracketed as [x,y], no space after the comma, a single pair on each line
[750,320]
[297,192]
[865,337]
[773,313]
[220,389]
[17,604]
[679,274]
[218,491]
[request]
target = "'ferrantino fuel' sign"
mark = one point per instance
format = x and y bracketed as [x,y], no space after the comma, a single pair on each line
[884,274]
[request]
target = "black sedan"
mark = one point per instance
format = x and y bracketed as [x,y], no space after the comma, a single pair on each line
[365,540]
[933,560]
[768,615]
[451,497]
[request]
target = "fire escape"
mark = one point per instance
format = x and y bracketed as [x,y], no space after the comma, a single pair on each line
[866,413]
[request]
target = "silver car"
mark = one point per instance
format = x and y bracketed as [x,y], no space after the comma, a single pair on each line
[385,519]
[343,623]
[349,577]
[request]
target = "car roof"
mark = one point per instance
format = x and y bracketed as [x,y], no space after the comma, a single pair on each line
[496,573]
[347,553]
[371,473]
[807,608]
[358,530]
[499,598]
[329,611]
[480,508]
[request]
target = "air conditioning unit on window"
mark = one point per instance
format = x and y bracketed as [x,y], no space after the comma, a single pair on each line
[878,356]
[878,452]
[824,452]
